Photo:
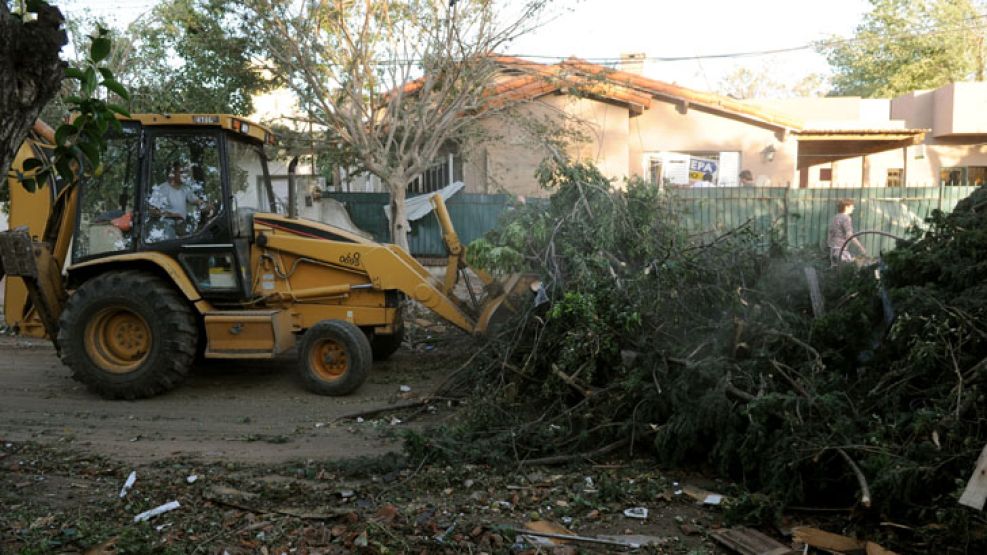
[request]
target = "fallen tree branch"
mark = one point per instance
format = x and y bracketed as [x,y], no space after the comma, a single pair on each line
[572,381]
[562,459]
[737,392]
[864,488]
[384,410]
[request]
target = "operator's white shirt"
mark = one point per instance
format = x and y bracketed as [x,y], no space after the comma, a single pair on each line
[166,197]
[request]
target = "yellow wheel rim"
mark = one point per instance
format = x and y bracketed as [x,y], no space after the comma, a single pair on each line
[118,339]
[329,360]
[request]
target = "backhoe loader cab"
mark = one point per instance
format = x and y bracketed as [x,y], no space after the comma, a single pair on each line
[161,265]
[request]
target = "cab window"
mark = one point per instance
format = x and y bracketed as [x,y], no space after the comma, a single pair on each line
[185,190]
[106,201]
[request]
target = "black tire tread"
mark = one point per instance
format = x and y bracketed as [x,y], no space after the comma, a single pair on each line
[384,346]
[173,359]
[359,351]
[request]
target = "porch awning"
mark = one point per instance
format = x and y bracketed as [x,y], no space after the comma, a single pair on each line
[820,146]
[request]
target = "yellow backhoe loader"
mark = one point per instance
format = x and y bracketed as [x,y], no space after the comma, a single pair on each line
[136,272]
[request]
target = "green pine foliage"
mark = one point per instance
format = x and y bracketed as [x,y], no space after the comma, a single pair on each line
[703,353]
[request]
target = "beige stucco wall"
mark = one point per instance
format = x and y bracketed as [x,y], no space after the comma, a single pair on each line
[505,155]
[605,128]
[922,166]
[504,160]
[617,141]
[664,128]
[960,109]
[915,109]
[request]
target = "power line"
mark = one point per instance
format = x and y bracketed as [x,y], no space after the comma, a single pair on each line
[928,31]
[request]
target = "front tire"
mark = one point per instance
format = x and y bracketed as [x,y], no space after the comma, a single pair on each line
[128,335]
[334,358]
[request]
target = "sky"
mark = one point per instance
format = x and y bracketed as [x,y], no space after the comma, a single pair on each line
[603,29]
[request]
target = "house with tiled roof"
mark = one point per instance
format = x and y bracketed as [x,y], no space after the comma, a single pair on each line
[632,125]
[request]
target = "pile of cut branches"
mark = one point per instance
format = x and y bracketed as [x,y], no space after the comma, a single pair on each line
[704,352]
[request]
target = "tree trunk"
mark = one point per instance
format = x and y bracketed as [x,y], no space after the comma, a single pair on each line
[980,57]
[399,213]
[30,73]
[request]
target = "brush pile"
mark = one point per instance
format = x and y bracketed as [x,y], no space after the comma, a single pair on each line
[704,353]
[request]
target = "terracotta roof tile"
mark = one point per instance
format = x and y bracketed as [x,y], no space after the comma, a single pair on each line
[707,100]
[622,87]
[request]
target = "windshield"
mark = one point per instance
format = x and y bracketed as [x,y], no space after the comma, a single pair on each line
[248,181]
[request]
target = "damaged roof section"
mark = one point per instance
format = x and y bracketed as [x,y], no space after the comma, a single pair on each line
[636,91]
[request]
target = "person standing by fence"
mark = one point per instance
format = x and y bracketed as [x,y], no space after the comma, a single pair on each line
[840,231]
[746,178]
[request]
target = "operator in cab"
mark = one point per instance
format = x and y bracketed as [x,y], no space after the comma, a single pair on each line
[169,203]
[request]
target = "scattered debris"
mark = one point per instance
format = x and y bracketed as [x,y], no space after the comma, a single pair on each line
[640,513]
[635,541]
[192,478]
[360,415]
[747,541]
[106,548]
[159,510]
[556,535]
[405,389]
[129,483]
[703,496]
[545,533]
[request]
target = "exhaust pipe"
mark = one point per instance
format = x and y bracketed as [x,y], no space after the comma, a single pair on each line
[292,194]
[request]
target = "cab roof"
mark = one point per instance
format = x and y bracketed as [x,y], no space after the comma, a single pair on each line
[229,122]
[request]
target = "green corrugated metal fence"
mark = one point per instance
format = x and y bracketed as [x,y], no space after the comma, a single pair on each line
[799,217]
[472,216]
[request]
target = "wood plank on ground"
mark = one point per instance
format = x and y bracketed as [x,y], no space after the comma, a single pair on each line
[975,494]
[747,541]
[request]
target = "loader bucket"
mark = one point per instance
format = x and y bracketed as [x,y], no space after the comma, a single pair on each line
[505,300]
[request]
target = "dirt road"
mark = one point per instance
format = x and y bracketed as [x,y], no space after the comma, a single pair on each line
[228,411]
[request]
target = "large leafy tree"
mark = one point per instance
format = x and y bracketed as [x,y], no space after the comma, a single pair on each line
[191,56]
[30,69]
[903,45]
[32,72]
[393,81]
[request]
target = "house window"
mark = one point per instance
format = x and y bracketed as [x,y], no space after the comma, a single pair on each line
[976,175]
[444,172]
[965,175]
[895,177]
[693,169]
[655,171]
[825,174]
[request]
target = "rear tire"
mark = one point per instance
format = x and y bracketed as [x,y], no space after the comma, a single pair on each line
[128,335]
[334,358]
[384,346]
